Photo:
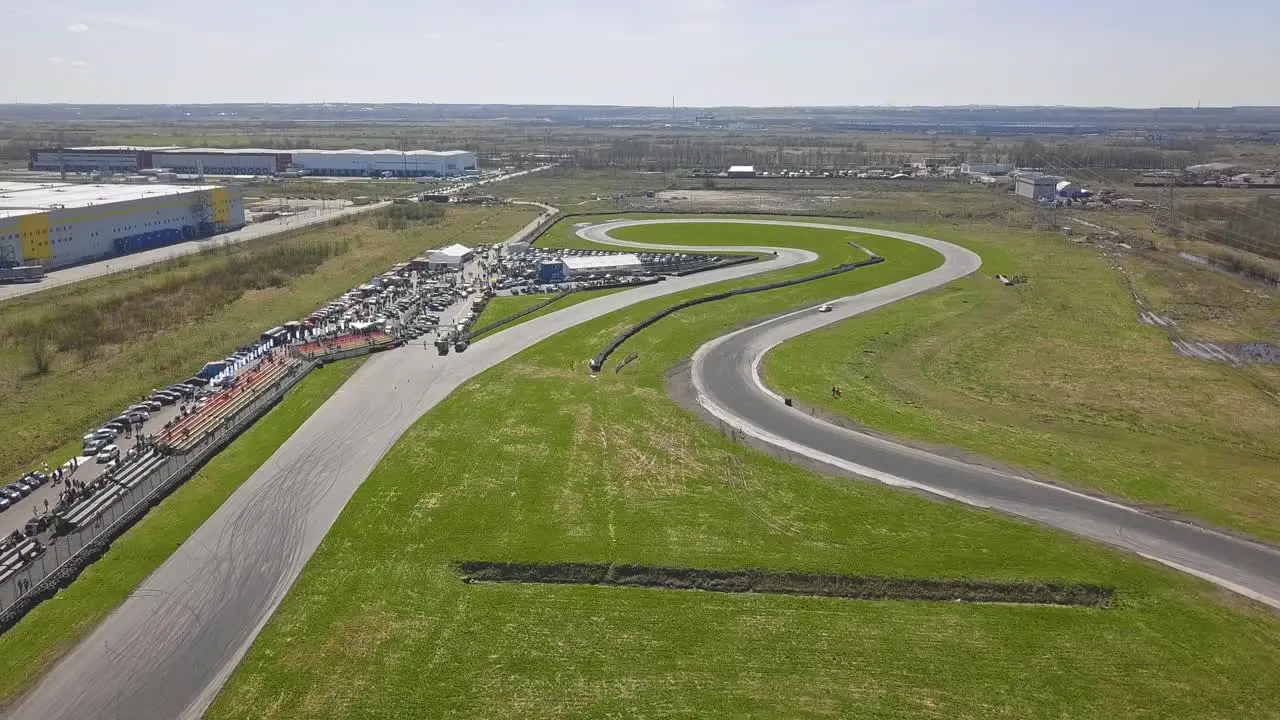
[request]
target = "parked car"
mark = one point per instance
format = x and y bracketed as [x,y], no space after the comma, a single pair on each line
[5,503]
[164,398]
[13,492]
[107,454]
[92,447]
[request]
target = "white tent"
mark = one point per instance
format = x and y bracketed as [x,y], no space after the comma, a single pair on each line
[619,263]
[450,257]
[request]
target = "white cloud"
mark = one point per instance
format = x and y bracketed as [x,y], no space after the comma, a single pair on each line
[66,62]
[78,28]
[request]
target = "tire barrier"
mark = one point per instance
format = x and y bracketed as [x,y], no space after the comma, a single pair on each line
[598,361]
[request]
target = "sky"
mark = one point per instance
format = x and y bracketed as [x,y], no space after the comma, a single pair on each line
[1131,53]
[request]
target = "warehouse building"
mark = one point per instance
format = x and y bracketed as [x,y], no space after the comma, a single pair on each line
[256,161]
[215,161]
[742,171]
[98,158]
[60,224]
[1036,186]
[362,163]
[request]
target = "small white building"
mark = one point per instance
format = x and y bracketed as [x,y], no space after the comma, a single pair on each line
[1036,186]
[616,264]
[451,257]
[742,171]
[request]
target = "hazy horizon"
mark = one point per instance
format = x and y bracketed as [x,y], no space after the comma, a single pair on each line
[1130,54]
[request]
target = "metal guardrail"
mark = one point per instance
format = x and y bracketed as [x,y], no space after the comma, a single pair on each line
[64,558]
[598,361]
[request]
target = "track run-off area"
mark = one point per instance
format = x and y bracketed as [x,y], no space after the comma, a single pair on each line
[167,650]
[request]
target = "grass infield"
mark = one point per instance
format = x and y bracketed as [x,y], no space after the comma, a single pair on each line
[535,461]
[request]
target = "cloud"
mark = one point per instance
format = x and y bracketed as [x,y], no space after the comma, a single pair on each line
[431,36]
[66,62]
[78,28]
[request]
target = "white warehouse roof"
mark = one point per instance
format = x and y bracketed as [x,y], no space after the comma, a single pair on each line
[396,153]
[28,198]
[587,263]
[742,168]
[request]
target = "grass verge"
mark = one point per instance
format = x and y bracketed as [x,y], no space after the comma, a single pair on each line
[1056,376]
[160,324]
[535,463]
[31,647]
[500,307]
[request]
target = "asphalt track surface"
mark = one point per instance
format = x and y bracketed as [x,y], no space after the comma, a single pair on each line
[166,651]
[726,376]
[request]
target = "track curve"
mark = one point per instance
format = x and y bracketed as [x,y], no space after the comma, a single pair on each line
[726,376]
[166,651]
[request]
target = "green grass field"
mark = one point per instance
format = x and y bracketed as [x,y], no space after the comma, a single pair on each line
[33,645]
[505,305]
[162,323]
[536,462]
[1056,376]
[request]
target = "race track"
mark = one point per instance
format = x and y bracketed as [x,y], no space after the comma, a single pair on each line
[166,651]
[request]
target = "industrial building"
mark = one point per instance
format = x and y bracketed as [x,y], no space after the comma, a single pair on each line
[60,224]
[214,161]
[742,171]
[1036,186]
[97,158]
[255,161]
[408,163]
[992,169]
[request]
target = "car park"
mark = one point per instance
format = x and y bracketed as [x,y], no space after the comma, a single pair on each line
[107,454]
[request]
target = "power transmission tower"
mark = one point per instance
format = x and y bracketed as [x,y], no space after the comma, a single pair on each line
[1044,216]
[1165,217]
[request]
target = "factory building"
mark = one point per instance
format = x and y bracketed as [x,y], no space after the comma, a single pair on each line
[60,224]
[361,163]
[1036,186]
[992,169]
[99,158]
[742,171]
[256,161]
[214,161]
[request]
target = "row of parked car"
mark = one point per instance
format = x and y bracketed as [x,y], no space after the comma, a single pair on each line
[100,444]
[12,493]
